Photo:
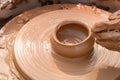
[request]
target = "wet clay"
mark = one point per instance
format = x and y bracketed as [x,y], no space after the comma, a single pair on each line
[57,67]
[11,8]
[71,34]
[16,23]
[71,38]
[10,29]
[46,65]
[108,33]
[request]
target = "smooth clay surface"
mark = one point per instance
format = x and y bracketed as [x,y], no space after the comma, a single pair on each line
[71,33]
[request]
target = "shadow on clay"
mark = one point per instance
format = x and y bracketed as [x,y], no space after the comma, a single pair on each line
[110,73]
[118,78]
[75,67]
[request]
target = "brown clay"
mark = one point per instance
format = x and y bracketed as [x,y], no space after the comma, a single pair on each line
[71,39]
[7,67]
[115,15]
[110,5]
[46,63]
[16,23]
[108,33]
[34,58]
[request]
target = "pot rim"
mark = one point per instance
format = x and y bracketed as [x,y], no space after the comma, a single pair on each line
[65,22]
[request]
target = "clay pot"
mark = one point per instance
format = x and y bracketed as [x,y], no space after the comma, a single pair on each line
[72,39]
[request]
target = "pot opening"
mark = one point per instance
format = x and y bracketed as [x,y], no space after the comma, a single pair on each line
[72,33]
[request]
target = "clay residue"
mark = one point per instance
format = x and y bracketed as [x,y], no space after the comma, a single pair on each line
[103,64]
[108,33]
[16,23]
[7,70]
[115,15]
[109,73]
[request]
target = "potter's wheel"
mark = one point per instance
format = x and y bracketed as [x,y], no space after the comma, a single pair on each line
[32,51]
[34,59]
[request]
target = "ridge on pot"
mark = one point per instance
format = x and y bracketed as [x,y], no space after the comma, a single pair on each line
[72,39]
